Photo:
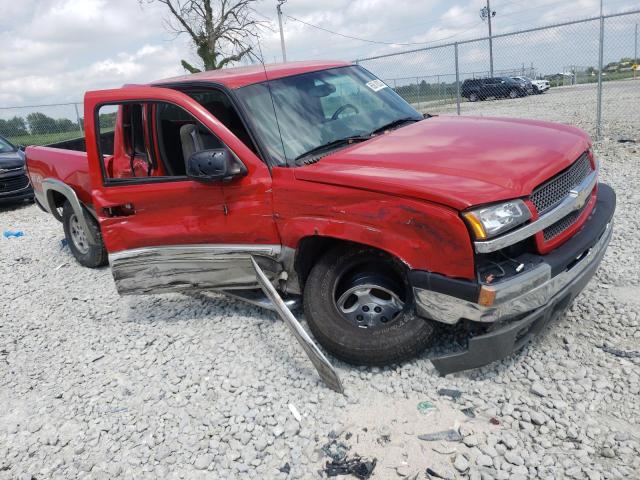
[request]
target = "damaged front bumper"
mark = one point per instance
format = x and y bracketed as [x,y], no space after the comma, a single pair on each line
[523,305]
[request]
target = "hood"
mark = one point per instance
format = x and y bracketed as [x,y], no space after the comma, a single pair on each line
[11,160]
[454,161]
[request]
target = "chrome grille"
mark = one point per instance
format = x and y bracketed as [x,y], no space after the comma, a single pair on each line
[552,192]
[552,231]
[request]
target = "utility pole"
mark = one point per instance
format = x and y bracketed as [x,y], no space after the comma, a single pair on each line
[635,54]
[279,10]
[600,63]
[487,13]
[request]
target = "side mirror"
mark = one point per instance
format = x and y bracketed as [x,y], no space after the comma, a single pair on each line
[215,165]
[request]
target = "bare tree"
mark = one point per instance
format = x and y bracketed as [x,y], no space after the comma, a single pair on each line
[222,31]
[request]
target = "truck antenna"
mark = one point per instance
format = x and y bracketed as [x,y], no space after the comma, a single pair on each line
[273,103]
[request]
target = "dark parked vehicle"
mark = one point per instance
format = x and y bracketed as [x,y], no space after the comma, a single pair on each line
[526,84]
[14,183]
[498,87]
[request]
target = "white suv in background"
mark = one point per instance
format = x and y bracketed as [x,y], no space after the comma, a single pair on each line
[539,86]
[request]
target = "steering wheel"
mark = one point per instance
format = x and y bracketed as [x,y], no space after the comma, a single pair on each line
[337,113]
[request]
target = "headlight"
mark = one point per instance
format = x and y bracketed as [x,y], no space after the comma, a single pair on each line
[487,222]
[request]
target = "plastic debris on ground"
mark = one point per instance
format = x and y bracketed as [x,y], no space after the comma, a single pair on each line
[426,407]
[286,468]
[469,412]
[335,450]
[13,233]
[446,435]
[357,466]
[295,412]
[63,243]
[450,392]
[494,421]
[621,353]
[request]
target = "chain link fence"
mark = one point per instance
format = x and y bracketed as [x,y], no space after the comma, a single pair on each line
[549,73]
[41,124]
[457,78]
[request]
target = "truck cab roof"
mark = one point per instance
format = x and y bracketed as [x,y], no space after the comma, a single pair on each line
[238,77]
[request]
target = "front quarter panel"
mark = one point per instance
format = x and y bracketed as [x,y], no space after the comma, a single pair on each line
[425,236]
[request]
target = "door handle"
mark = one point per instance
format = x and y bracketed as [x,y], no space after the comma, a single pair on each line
[120,210]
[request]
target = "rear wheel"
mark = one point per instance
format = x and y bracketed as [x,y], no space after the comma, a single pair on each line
[88,253]
[359,306]
[513,93]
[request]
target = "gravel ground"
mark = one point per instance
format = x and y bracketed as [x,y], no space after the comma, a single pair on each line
[171,386]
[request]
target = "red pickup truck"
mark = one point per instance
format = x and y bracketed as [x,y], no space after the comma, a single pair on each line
[385,222]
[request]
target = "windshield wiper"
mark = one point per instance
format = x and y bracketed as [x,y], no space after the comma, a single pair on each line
[395,123]
[331,144]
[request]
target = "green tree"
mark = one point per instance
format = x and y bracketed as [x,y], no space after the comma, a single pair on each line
[41,123]
[222,31]
[15,126]
[66,125]
[107,120]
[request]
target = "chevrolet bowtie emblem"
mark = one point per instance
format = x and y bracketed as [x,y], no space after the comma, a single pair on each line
[581,198]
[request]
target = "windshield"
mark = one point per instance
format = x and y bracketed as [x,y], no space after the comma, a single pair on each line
[5,146]
[317,108]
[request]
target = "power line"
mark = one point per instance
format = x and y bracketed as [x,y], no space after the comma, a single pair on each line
[378,42]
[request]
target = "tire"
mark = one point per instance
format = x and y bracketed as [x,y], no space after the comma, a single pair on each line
[373,342]
[473,97]
[513,93]
[87,253]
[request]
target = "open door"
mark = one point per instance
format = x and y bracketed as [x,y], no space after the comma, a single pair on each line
[166,230]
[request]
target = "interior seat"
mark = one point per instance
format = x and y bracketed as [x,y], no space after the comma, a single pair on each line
[191,140]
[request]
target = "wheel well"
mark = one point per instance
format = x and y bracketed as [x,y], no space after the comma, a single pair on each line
[56,200]
[310,249]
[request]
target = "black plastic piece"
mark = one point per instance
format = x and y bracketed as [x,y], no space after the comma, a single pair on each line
[464,289]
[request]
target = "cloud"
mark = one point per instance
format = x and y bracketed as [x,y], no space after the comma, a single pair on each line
[55,50]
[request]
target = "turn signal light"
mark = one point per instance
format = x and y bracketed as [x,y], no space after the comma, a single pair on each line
[476,227]
[486,297]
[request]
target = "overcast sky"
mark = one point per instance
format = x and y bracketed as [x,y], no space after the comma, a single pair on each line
[54,50]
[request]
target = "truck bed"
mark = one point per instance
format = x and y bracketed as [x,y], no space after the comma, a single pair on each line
[68,166]
[65,161]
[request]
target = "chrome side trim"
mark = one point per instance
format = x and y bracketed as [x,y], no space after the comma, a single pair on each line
[574,201]
[191,267]
[323,366]
[50,185]
[521,294]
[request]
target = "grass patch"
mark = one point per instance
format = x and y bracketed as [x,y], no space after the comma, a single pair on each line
[44,138]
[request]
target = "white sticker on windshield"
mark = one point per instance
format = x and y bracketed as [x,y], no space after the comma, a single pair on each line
[376,85]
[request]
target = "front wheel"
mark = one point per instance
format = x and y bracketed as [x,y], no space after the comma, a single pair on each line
[513,94]
[359,306]
[473,97]
[87,253]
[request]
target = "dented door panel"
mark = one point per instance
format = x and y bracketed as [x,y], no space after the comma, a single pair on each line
[191,267]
